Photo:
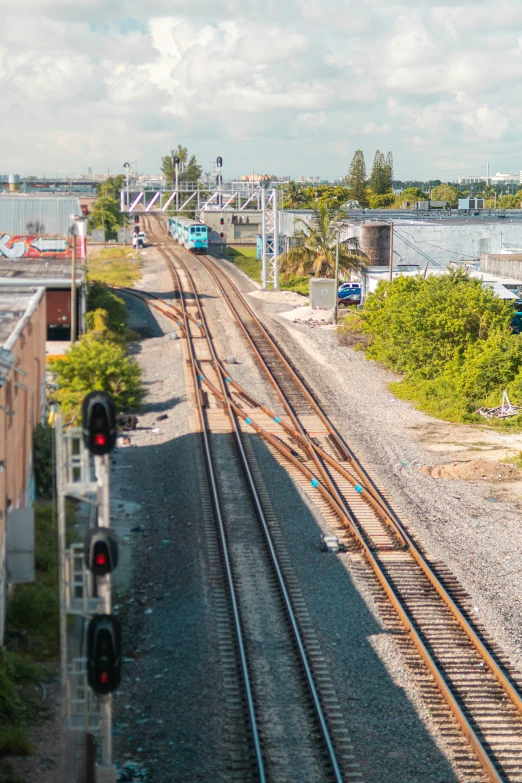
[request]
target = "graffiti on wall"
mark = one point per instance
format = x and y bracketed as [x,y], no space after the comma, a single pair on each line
[37,246]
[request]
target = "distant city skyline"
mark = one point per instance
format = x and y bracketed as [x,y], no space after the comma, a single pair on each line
[273,86]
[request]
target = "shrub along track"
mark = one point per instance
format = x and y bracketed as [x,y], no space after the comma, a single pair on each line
[296,730]
[482,692]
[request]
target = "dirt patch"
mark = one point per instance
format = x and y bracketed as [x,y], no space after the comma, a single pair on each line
[474,470]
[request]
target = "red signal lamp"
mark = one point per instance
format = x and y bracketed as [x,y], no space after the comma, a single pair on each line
[100,439]
[101,551]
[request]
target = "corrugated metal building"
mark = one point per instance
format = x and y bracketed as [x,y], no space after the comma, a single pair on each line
[39,227]
[25,215]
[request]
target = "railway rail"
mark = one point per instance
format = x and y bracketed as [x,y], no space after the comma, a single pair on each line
[261,586]
[481,690]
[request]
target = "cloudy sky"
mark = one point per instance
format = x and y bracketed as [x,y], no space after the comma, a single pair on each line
[279,86]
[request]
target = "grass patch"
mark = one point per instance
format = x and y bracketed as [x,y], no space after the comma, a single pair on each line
[245,258]
[350,332]
[515,460]
[32,614]
[115,266]
[20,702]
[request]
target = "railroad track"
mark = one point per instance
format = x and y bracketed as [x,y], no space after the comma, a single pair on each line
[296,729]
[479,687]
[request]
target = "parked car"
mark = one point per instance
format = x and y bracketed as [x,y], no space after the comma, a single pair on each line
[349,294]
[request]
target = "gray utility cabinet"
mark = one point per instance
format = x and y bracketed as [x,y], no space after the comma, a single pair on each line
[322,293]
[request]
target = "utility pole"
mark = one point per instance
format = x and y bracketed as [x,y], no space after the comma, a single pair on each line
[336,277]
[391,252]
[219,164]
[74,310]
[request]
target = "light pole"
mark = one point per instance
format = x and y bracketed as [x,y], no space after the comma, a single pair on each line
[176,175]
[126,166]
[219,164]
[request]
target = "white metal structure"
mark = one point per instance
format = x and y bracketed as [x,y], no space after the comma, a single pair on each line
[235,195]
[81,712]
[270,234]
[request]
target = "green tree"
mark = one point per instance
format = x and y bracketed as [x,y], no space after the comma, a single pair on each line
[382,202]
[105,212]
[356,179]
[445,193]
[294,196]
[419,326]
[315,255]
[90,365]
[111,187]
[189,169]
[381,177]
[410,196]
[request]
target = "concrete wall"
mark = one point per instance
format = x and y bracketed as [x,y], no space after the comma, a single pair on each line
[16,431]
[239,227]
[502,265]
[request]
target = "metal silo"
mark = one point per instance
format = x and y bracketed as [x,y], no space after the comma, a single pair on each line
[14,183]
[375,242]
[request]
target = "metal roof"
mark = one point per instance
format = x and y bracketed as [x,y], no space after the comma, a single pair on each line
[28,215]
[26,272]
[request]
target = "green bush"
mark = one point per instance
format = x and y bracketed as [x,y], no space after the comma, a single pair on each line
[94,364]
[100,297]
[450,338]
[418,326]
[18,706]
[33,608]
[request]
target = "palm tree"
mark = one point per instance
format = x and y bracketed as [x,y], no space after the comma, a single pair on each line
[315,256]
[294,195]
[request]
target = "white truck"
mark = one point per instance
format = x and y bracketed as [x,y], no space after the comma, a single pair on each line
[139,240]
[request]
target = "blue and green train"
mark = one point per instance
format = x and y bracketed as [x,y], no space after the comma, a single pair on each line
[189,233]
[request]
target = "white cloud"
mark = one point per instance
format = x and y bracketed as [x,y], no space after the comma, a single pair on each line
[267,85]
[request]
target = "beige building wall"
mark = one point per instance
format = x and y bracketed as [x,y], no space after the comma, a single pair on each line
[22,398]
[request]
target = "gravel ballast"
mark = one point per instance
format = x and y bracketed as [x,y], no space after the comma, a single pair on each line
[472,526]
[173,646]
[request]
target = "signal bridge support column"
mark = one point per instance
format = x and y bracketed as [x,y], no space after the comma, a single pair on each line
[105,773]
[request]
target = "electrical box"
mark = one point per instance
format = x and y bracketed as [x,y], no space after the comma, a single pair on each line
[322,293]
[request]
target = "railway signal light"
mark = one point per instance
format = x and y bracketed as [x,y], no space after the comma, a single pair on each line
[136,218]
[222,221]
[104,653]
[222,235]
[99,423]
[101,551]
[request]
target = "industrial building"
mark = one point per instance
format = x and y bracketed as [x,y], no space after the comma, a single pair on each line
[433,239]
[22,404]
[502,265]
[56,277]
[40,227]
[36,250]
[237,226]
